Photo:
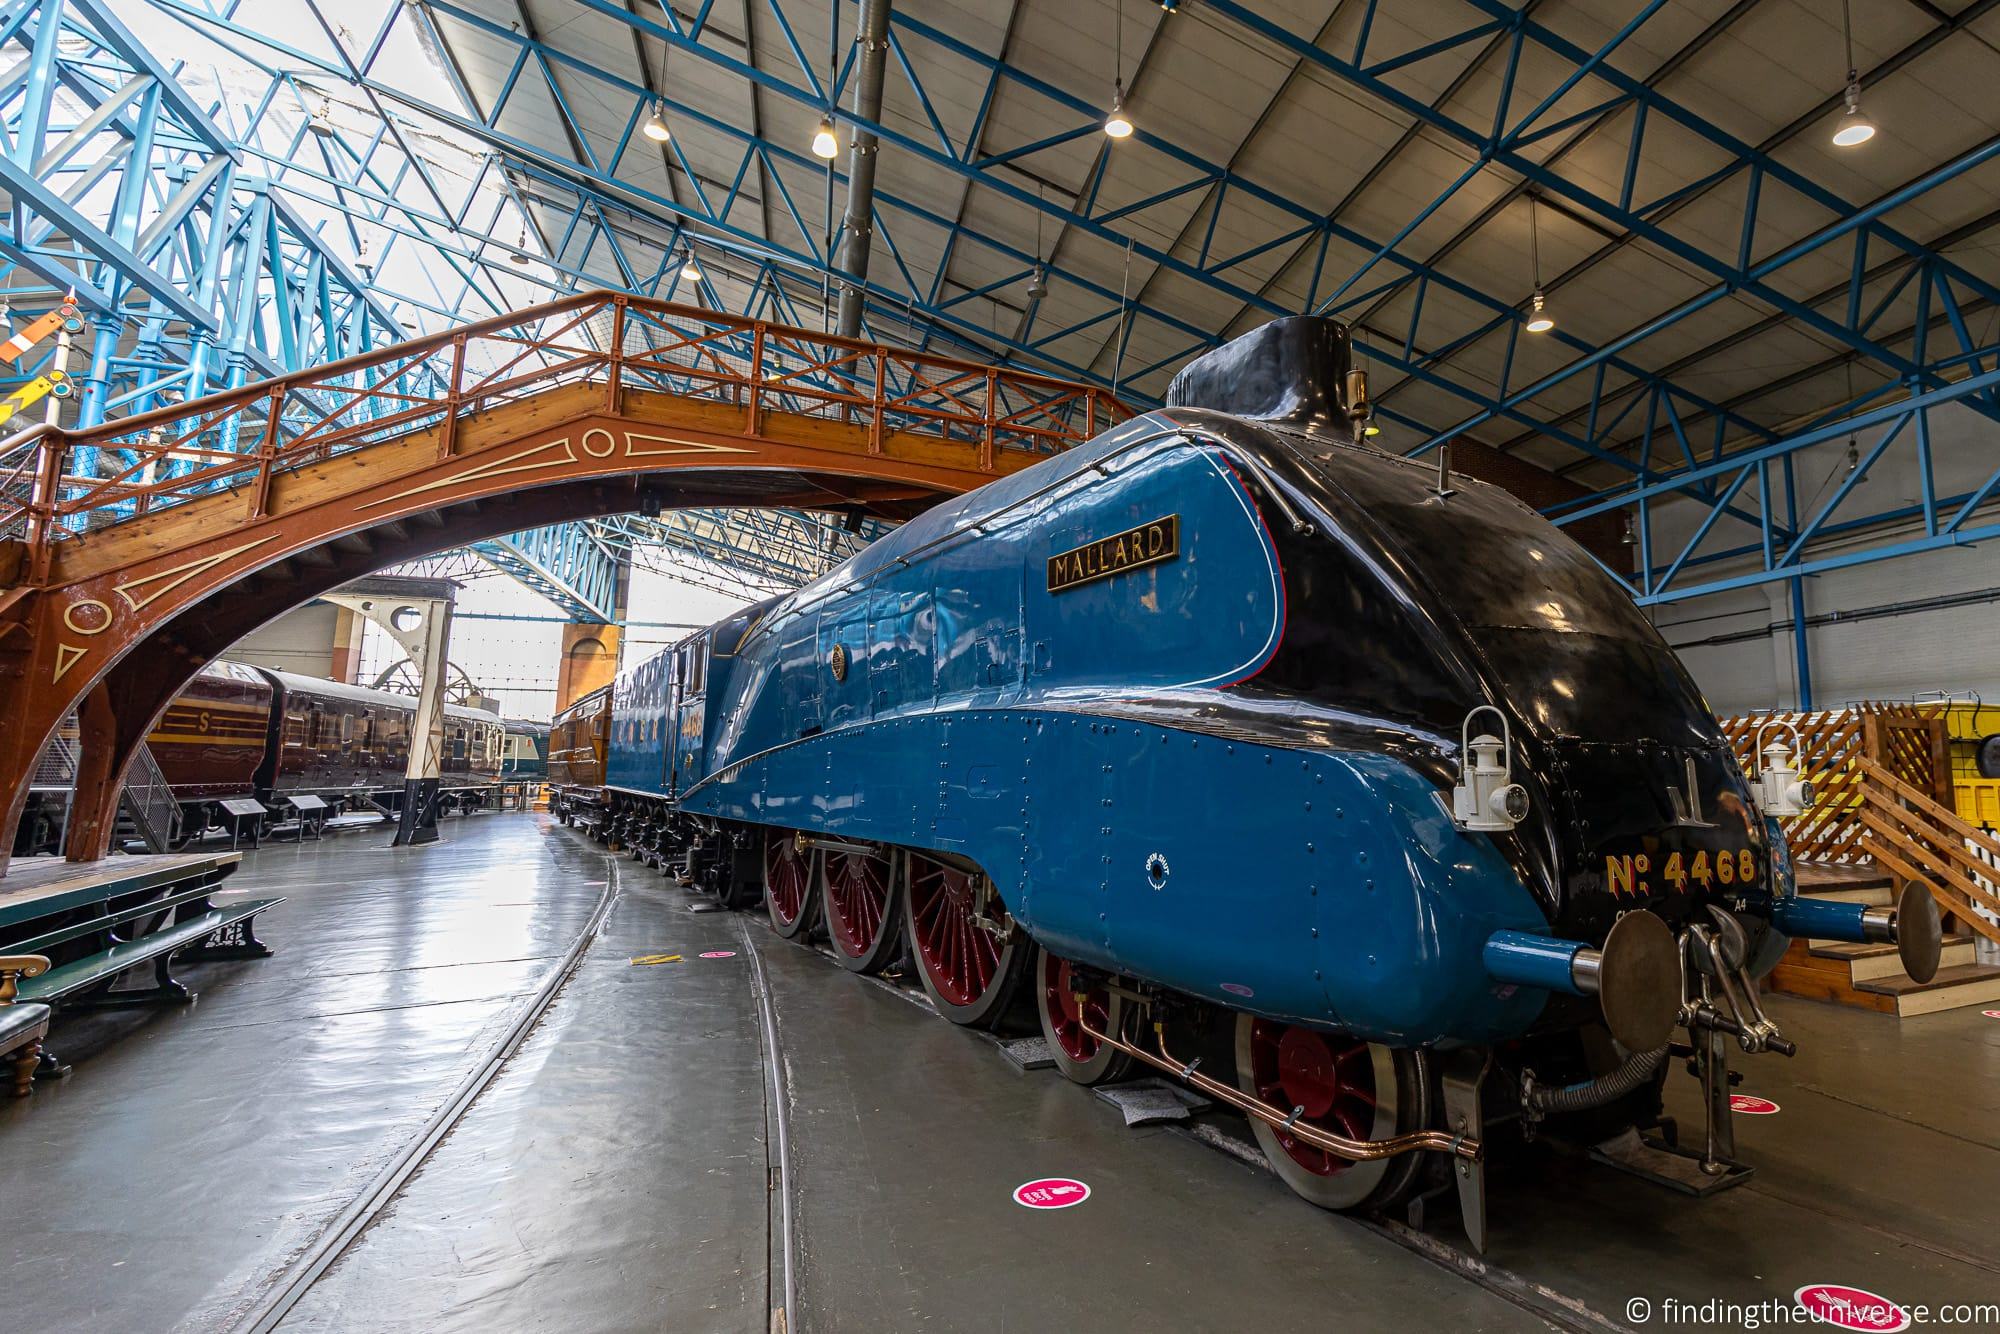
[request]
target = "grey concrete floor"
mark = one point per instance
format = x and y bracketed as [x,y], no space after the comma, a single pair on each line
[614,1175]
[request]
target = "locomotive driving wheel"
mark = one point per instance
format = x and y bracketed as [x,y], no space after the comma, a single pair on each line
[863,904]
[1078,1055]
[970,969]
[1338,1083]
[789,873]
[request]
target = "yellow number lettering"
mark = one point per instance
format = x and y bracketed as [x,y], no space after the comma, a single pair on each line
[1746,866]
[1725,868]
[1618,874]
[1674,874]
[1699,871]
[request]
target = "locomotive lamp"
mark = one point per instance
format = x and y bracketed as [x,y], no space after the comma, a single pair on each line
[1777,786]
[1487,799]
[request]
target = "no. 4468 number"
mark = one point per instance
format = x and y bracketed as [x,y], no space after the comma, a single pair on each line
[1631,873]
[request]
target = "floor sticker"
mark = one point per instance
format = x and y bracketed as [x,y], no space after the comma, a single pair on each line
[1751,1105]
[718,954]
[1842,1307]
[645,959]
[1051,1193]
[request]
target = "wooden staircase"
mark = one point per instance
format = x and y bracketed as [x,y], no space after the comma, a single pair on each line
[1883,818]
[1871,976]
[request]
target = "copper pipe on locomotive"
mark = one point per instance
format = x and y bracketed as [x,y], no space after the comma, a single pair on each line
[1354,1150]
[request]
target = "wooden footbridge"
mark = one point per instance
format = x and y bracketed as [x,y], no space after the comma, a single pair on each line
[133,553]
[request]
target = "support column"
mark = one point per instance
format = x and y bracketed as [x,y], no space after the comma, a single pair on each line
[1801,649]
[345,664]
[859,223]
[590,648]
[589,660]
[416,613]
[100,778]
[425,774]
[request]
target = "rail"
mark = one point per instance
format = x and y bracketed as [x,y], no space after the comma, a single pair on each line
[1915,837]
[56,484]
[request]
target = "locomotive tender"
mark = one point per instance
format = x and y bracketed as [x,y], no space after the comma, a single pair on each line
[1229,735]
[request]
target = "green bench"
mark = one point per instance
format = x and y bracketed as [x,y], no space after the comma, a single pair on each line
[96,923]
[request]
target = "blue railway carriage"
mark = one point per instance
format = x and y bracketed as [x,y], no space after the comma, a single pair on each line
[1338,784]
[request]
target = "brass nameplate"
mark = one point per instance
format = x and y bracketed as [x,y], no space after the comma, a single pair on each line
[1148,544]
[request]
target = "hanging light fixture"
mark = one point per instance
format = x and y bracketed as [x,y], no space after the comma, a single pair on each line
[1854,127]
[1853,445]
[1038,279]
[689,269]
[520,258]
[826,144]
[1118,125]
[321,123]
[655,127]
[1539,318]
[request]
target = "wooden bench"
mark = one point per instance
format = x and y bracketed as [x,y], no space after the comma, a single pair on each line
[95,923]
[23,1024]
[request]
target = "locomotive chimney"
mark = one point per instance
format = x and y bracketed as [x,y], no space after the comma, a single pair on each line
[1293,370]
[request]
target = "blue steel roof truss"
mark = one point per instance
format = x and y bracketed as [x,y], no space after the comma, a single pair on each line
[1903,313]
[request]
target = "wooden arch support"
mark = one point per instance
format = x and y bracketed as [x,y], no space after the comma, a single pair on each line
[148,546]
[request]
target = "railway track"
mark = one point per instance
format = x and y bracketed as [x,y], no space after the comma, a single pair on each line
[782,1271]
[297,1279]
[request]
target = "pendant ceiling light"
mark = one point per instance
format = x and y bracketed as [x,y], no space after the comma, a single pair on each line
[1038,278]
[1853,127]
[321,123]
[655,127]
[1539,318]
[689,269]
[1118,125]
[826,144]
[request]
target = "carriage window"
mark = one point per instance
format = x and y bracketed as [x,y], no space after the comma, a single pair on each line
[368,729]
[347,731]
[458,743]
[314,720]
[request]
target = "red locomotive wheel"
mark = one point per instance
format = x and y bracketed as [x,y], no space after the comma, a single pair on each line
[1079,1055]
[1340,1084]
[970,973]
[788,885]
[863,907]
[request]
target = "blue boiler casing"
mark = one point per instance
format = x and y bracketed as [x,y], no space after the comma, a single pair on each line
[982,714]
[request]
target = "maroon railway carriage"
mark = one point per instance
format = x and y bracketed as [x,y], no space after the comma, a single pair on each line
[242,731]
[579,743]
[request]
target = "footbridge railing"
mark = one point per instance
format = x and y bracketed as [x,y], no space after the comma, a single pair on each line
[56,484]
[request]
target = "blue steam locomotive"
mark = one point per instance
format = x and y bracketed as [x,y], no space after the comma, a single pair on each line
[1230,741]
